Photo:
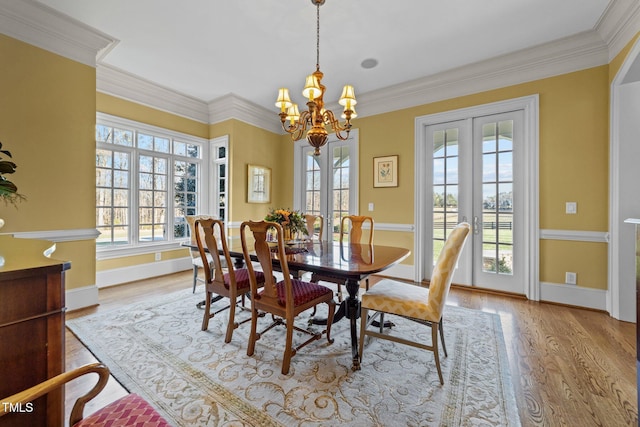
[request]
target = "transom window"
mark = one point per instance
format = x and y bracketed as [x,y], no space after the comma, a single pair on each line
[147,180]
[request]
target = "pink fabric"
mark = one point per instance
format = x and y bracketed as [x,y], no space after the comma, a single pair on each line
[130,410]
[242,279]
[303,292]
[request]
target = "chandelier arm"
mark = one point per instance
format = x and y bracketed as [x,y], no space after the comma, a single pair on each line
[330,119]
[300,126]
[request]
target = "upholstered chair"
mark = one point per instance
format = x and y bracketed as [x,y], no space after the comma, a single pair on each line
[422,305]
[130,410]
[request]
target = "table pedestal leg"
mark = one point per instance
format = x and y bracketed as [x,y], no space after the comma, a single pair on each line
[353,312]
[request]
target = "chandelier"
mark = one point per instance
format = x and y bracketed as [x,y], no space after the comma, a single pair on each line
[316,117]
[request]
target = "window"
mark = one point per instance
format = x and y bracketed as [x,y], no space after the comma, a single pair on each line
[219,177]
[147,180]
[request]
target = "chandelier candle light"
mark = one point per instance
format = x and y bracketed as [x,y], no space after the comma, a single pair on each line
[316,117]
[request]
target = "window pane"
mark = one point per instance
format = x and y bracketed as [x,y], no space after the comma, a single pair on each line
[103,177]
[145,142]
[104,134]
[162,145]
[123,137]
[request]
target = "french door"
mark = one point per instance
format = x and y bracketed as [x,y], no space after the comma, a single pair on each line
[477,167]
[327,184]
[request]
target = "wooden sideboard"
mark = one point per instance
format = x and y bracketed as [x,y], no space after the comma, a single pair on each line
[32,315]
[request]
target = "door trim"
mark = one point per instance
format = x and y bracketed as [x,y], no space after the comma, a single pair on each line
[530,106]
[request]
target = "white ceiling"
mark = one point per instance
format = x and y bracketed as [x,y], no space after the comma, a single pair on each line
[206,49]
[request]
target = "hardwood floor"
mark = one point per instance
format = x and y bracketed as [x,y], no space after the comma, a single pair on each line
[569,366]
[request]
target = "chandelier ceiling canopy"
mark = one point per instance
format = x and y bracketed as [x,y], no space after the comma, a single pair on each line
[316,118]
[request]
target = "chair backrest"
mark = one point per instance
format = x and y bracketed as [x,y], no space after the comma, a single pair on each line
[355,231]
[444,268]
[262,250]
[210,238]
[312,220]
[191,220]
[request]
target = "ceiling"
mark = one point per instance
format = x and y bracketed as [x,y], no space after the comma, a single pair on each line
[207,49]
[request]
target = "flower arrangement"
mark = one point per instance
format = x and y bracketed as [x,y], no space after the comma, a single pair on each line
[8,190]
[288,218]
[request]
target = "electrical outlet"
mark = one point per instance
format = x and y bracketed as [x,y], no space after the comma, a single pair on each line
[158,256]
[571,208]
[370,207]
[570,278]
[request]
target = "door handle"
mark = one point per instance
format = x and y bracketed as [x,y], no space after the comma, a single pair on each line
[476,225]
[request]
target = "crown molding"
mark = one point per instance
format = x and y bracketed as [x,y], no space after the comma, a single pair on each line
[584,50]
[113,81]
[619,23]
[231,106]
[46,28]
[39,25]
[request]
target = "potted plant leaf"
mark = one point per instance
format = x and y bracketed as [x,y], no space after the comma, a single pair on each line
[8,190]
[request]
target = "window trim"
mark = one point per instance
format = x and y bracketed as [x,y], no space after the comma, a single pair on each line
[134,247]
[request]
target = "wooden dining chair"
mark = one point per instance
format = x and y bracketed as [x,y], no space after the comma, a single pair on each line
[196,260]
[413,302]
[311,221]
[210,237]
[351,231]
[285,299]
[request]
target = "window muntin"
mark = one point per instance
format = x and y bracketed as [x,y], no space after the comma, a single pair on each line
[147,181]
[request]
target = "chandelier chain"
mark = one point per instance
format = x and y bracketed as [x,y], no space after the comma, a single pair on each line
[317,36]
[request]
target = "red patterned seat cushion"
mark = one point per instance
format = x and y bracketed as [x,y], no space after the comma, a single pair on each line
[242,278]
[130,410]
[303,292]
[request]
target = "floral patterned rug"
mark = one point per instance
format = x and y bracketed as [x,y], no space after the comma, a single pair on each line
[193,378]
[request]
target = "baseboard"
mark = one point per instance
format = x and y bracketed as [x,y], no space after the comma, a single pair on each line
[119,276]
[81,297]
[574,295]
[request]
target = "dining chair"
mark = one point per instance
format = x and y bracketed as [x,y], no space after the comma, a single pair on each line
[311,221]
[210,237]
[130,410]
[285,299]
[413,302]
[351,231]
[196,260]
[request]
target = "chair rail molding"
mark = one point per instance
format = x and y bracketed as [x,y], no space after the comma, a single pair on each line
[58,235]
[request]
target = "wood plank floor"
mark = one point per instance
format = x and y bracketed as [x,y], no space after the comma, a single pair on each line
[569,366]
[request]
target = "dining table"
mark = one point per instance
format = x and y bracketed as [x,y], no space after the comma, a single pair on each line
[347,262]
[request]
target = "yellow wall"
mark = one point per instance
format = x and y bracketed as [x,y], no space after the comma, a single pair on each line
[47,121]
[573,166]
[574,150]
[251,145]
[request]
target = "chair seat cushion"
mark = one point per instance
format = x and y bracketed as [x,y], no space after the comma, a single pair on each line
[404,299]
[130,410]
[303,292]
[197,260]
[242,279]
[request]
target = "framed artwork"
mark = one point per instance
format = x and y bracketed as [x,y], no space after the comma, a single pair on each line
[385,171]
[258,184]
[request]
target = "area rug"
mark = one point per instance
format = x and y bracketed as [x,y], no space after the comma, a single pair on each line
[156,349]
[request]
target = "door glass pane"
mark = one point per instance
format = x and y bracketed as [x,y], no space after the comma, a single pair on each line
[497,204]
[445,186]
[340,174]
[312,191]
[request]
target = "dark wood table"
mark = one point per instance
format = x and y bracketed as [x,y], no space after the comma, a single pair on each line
[350,262]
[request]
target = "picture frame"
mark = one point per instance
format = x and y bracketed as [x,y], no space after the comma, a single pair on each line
[258,184]
[385,171]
